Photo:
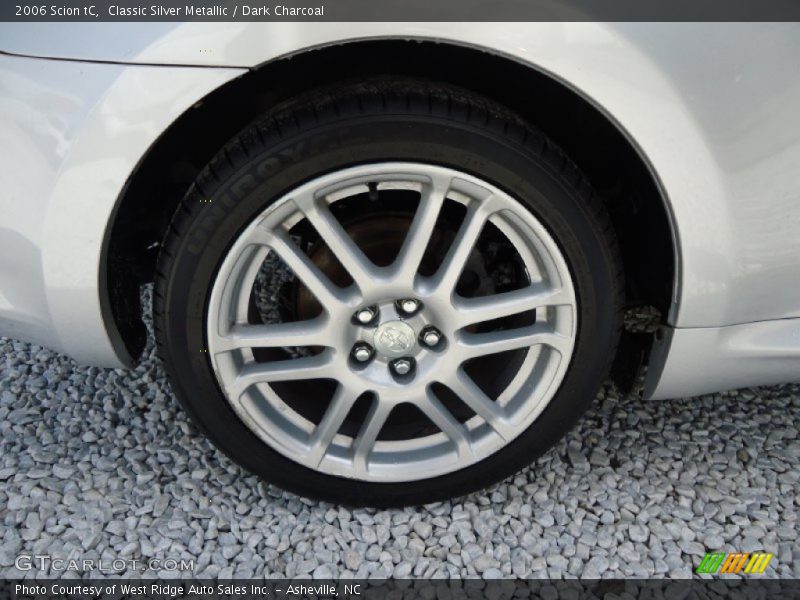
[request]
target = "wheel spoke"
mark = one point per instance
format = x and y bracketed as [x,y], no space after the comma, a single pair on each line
[365,441]
[453,264]
[305,270]
[419,233]
[444,420]
[341,403]
[486,408]
[492,342]
[278,335]
[355,262]
[307,367]
[486,308]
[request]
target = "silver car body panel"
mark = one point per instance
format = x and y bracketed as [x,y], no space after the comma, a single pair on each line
[711,107]
[689,362]
[71,133]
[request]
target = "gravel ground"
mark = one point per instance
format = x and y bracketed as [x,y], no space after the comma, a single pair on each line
[104,464]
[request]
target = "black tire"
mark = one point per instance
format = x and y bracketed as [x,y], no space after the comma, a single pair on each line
[350,124]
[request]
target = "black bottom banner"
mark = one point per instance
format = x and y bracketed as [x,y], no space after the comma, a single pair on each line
[397,589]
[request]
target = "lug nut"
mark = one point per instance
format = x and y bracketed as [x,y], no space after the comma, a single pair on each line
[365,315]
[362,352]
[408,305]
[401,366]
[431,337]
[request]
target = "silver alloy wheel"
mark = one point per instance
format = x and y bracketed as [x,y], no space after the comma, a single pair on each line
[547,343]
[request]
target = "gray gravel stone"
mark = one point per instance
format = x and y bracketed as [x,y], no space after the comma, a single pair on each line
[103,462]
[691,548]
[638,533]
[9,551]
[545,519]
[402,570]
[558,561]
[713,541]
[423,529]
[595,568]
[599,458]
[323,572]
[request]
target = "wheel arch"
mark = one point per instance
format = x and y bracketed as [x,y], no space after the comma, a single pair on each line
[615,165]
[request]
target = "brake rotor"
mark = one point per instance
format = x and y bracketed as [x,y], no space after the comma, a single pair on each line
[380,237]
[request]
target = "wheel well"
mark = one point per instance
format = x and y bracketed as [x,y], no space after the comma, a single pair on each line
[612,163]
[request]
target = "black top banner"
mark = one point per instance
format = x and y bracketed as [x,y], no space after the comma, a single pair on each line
[400,10]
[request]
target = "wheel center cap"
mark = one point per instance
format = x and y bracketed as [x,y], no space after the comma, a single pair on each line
[394,338]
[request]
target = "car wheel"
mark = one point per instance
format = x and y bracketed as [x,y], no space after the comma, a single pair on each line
[388,292]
